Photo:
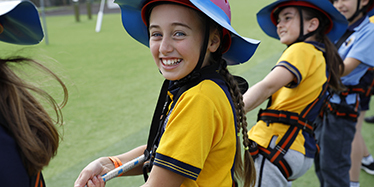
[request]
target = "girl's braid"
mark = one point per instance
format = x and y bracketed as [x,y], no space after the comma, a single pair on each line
[247,171]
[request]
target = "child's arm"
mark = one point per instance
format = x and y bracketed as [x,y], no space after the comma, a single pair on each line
[103,165]
[349,65]
[163,177]
[261,91]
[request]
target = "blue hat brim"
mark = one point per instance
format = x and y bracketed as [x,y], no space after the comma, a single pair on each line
[241,48]
[21,23]
[340,23]
[371,12]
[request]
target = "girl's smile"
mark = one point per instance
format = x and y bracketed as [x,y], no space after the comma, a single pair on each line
[169,64]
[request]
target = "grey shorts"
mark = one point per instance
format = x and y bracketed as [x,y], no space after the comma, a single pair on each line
[268,174]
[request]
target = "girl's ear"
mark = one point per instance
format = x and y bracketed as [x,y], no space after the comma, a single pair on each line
[364,2]
[214,41]
[312,25]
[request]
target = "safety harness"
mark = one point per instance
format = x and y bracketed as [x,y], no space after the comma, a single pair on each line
[365,89]
[351,111]
[296,122]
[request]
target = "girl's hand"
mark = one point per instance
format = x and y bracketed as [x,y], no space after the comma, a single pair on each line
[96,182]
[91,174]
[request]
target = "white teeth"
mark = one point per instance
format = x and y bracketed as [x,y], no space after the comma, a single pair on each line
[171,61]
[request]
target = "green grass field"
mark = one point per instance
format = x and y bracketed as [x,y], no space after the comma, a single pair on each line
[114,84]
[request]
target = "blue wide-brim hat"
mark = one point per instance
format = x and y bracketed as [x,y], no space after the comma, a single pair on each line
[20,23]
[337,29]
[240,50]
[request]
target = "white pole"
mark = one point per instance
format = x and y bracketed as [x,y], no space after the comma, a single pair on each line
[100,16]
[44,22]
[124,168]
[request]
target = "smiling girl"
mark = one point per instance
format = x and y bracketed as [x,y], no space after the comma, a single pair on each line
[197,143]
[296,86]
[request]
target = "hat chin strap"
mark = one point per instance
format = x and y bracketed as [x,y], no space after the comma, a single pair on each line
[303,37]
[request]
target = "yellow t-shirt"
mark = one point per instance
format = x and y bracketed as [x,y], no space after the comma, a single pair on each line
[199,141]
[308,65]
[372,19]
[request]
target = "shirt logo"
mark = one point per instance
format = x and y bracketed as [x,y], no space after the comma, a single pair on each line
[349,41]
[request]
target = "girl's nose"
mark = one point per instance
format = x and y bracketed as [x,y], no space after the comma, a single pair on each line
[166,46]
[279,25]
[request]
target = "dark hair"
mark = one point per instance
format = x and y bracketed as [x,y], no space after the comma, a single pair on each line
[334,62]
[366,7]
[24,116]
[246,171]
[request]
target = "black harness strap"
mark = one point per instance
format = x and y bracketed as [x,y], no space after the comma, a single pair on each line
[155,129]
[365,89]
[370,88]
[276,154]
[286,117]
[343,38]
[297,122]
[345,112]
[351,111]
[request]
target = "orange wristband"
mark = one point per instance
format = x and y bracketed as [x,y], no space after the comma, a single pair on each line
[116,161]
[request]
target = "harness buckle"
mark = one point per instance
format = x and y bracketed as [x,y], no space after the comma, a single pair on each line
[305,124]
[280,149]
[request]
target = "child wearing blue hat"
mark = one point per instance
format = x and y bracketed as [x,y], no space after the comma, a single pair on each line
[343,117]
[28,136]
[367,162]
[296,86]
[195,139]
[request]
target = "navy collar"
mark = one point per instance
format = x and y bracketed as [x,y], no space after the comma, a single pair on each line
[318,45]
[356,24]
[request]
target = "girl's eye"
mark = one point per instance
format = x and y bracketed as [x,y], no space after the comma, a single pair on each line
[179,34]
[156,34]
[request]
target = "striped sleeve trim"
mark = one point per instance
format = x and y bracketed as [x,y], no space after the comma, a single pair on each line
[293,70]
[176,166]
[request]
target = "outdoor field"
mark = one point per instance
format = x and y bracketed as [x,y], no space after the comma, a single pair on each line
[113,87]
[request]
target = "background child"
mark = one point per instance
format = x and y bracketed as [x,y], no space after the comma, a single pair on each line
[28,136]
[367,162]
[336,129]
[359,149]
[191,42]
[297,85]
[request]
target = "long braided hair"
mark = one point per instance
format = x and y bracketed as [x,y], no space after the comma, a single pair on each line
[24,117]
[244,171]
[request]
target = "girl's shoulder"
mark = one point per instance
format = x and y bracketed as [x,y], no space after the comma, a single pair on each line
[208,87]
[366,28]
[301,49]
